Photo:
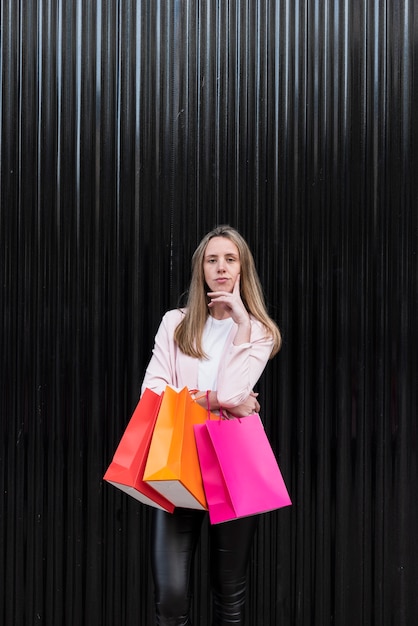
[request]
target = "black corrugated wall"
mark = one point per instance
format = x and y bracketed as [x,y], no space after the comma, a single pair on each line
[130,128]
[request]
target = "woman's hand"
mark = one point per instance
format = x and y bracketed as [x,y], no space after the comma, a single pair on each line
[234,306]
[231,302]
[248,407]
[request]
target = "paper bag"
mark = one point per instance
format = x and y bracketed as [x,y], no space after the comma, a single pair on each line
[240,472]
[173,467]
[127,467]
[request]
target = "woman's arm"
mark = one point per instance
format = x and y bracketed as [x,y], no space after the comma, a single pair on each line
[251,404]
[242,366]
[161,369]
[247,356]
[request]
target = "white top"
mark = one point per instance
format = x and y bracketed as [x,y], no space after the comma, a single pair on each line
[214,337]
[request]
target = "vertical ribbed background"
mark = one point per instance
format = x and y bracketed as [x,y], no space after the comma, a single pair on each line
[130,128]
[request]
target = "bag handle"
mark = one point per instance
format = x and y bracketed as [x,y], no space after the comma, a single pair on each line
[193,393]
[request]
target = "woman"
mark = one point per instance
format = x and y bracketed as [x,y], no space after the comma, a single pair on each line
[217,346]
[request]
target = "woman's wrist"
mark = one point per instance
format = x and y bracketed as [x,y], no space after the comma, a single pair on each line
[208,399]
[243,334]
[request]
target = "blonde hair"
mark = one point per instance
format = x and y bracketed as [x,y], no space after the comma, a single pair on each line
[188,334]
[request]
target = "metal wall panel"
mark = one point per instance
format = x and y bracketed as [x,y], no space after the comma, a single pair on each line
[130,128]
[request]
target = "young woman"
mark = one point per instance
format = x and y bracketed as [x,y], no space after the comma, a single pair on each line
[219,344]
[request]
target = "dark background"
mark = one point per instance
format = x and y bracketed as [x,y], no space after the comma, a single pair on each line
[130,128]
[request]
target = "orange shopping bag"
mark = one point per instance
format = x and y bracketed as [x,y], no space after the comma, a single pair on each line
[173,465]
[127,467]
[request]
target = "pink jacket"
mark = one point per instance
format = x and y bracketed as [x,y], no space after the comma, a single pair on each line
[241,366]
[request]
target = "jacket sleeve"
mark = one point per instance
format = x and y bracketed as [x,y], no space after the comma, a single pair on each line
[241,367]
[161,369]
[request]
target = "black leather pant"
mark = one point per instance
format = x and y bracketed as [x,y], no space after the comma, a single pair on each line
[173,543]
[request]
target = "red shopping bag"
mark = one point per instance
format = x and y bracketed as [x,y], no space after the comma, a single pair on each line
[173,465]
[239,470]
[127,467]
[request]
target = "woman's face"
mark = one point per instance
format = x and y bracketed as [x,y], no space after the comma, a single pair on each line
[221,264]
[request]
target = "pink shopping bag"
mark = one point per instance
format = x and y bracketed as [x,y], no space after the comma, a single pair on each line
[240,473]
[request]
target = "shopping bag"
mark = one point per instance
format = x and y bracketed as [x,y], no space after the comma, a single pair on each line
[240,473]
[127,467]
[173,465]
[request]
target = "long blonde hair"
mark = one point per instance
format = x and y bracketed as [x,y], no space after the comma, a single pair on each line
[188,334]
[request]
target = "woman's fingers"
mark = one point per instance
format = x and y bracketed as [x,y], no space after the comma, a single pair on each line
[250,406]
